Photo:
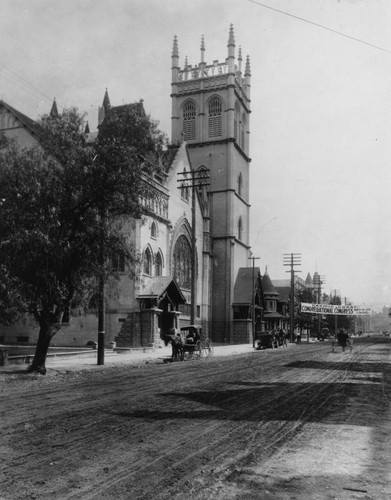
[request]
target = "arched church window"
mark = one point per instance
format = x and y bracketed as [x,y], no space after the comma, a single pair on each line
[118,263]
[182,262]
[214,117]
[203,180]
[240,228]
[158,264]
[236,121]
[147,262]
[243,127]
[153,230]
[240,184]
[189,121]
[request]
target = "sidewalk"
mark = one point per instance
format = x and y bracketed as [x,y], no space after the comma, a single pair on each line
[113,358]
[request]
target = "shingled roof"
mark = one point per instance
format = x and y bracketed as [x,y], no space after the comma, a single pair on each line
[160,286]
[26,122]
[267,285]
[243,289]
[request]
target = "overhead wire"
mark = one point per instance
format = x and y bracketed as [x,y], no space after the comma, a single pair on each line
[318,25]
[22,81]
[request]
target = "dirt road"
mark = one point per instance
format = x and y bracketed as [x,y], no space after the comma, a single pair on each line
[295,423]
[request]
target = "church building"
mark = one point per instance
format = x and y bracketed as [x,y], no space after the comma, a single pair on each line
[193,242]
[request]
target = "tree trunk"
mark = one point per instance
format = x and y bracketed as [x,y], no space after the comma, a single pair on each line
[46,333]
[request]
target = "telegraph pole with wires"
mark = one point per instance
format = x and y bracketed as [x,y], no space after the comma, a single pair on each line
[319,280]
[194,179]
[253,298]
[292,260]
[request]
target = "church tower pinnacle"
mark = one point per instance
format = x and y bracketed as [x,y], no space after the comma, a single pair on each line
[102,111]
[54,110]
[231,50]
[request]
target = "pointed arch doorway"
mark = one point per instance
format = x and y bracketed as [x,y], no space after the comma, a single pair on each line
[159,304]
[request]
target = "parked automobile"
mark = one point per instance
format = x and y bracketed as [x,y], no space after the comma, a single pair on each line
[266,339]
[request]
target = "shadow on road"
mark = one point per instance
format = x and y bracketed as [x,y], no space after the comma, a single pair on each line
[351,366]
[314,402]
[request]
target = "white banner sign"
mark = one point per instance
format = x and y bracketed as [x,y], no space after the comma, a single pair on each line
[345,310]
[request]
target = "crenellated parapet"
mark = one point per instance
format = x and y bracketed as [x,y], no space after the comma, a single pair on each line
[215,74]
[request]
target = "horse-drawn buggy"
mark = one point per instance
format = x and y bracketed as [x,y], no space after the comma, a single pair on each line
[190,343]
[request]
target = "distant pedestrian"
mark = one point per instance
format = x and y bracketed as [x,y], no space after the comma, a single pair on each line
[333,342]
[298,337]
[282,335]
[343,337]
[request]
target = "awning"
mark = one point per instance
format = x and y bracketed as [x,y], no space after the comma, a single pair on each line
[275,315]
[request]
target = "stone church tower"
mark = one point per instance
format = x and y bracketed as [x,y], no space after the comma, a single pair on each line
[211,112]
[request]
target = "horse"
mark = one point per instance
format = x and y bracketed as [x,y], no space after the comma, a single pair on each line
[177,347]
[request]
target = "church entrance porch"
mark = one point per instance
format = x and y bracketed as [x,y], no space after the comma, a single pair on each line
[158,315]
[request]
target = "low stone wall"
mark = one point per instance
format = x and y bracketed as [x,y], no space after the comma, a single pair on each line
[242,331]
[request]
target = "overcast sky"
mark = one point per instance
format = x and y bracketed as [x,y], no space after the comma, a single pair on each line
[321,108]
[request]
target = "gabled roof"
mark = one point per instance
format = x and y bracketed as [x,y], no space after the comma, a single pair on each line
[159,287]
[107,108]
[281,283]
[169,156]
[243,289]
[27,122]
[283,293]
[136,107]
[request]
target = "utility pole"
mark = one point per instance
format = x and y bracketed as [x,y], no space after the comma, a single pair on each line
[193,179]
[292,260]
[253,298]
[101,303]
[319,280]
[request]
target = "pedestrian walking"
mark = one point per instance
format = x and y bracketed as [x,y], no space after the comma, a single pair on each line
[333,342]
[343,337]
[282,335]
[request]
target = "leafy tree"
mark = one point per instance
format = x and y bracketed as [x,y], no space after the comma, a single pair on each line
[58,204]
